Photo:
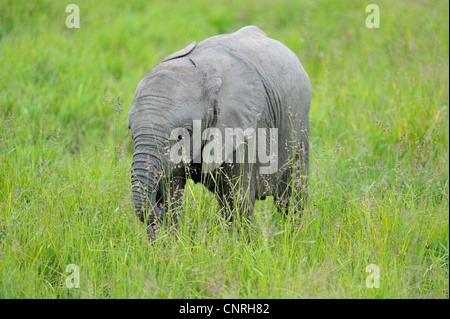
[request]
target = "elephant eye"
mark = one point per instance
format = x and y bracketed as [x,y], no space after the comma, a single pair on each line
[180,137]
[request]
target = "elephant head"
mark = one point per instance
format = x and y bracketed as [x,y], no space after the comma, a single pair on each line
[170,96]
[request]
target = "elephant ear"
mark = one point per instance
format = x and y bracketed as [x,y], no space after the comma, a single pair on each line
[181,53]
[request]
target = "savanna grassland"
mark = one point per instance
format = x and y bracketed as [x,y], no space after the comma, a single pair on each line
[379,171]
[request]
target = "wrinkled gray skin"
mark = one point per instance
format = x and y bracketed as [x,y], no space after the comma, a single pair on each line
[227,81]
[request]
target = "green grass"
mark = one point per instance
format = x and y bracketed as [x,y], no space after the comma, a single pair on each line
[379,191]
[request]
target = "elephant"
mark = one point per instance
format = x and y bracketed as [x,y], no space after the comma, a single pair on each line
[241,82]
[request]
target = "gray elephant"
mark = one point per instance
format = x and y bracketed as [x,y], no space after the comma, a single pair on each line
[235,108]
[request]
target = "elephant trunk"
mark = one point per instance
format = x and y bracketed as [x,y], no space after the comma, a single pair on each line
[146,173]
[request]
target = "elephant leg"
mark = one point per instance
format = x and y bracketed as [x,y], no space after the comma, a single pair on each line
[176,196]
[292,191]
[282,193]
[237,191]
[300,184]
[282,203]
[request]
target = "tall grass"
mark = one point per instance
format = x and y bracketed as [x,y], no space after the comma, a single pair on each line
[378,168]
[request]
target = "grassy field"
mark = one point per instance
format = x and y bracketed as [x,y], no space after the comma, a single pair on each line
[379,179]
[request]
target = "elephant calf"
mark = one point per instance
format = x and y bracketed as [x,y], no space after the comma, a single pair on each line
[231,112]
